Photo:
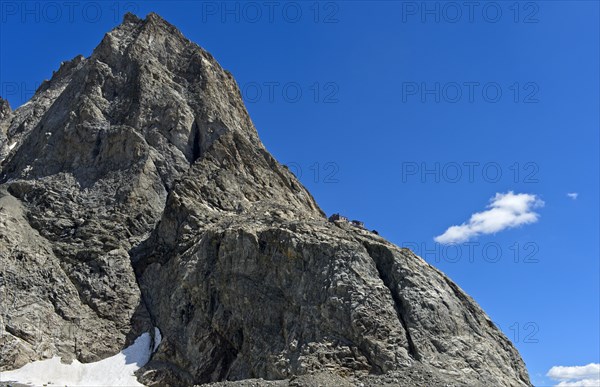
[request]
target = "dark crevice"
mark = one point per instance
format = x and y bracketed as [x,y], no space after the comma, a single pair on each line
[220,360]
[195,143]
[375,368]
[21,334]
[384,262]
[97,147]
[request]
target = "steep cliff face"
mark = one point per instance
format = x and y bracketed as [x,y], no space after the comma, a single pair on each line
[135,192]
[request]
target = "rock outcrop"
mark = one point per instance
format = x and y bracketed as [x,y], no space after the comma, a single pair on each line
[135,192]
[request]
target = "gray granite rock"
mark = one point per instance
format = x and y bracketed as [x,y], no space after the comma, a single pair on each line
[138,194]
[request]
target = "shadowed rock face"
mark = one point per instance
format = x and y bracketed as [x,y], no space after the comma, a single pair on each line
[135,192]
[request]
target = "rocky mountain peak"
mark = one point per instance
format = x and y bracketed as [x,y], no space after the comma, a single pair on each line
[137,194]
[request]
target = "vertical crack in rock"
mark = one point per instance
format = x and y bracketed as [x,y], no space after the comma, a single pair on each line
[196,144]
[384,264]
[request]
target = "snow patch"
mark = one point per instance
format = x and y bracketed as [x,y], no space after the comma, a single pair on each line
[157,339]
[12,146]
[117,370]
[27,171]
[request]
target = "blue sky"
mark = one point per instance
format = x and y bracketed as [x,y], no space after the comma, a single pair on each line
[411,117]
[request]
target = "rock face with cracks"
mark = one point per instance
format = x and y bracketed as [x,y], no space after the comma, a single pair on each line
[135,192]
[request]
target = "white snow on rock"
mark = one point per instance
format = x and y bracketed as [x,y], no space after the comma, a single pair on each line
[157,339]
[117,370]
[12,146]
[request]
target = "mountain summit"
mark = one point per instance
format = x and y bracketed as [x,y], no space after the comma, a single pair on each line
[135,193]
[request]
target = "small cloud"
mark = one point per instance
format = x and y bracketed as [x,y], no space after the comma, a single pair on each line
[506,210]
[576,376]
[580,383]
[573,195]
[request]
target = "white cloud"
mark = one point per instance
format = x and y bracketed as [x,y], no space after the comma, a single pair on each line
[580,383]
[573,195]
[506,210]
[576,376]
